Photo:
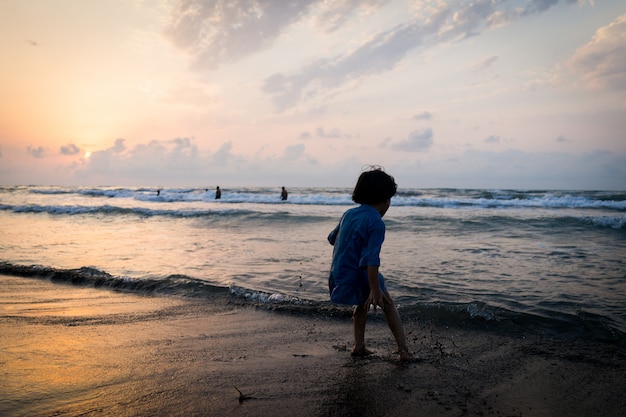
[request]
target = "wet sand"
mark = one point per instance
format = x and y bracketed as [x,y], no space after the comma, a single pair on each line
[69,351]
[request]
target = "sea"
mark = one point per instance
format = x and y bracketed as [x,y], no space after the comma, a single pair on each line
[539,259]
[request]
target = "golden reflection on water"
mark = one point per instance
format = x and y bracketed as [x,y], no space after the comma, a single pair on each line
[264,257]
[55,339]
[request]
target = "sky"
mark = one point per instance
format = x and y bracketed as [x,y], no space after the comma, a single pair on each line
[463,94]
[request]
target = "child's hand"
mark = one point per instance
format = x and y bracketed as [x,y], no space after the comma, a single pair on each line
[377,298]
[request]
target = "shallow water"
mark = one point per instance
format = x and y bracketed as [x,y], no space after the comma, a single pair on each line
[548,254]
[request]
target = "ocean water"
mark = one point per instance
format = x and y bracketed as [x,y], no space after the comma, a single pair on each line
[545,258]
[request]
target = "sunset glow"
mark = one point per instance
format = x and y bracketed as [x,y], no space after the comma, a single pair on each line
[526,94]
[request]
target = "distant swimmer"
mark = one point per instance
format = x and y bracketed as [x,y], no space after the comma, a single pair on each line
[218,193]
[283,194]
[158,192]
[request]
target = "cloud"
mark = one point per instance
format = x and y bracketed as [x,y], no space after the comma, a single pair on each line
[184,147]
[70,149]
[418,141]
[512,168]
[178,162]
[485,63]
[175,159]
[496,139]
[425,115]
[119,146]
[516,11]
[333,14]
[321,132]
[538,6]
[383,51]
[601,63]
[219,32]
[38,152]
[379,54]
[223,155]
[562,139]
[333,133]
[293,152]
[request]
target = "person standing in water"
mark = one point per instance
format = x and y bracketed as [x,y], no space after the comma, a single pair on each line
[218,193]
[354,277]
[283,194]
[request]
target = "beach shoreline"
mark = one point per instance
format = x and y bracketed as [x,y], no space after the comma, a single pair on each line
[69,350]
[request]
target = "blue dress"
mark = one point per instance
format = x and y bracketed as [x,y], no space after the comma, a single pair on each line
[357,241]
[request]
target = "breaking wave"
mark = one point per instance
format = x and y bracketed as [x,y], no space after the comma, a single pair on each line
[456,314]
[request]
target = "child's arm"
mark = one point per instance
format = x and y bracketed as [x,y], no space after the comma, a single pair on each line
[377,297]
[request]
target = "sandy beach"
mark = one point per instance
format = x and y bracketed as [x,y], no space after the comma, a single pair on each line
[68,351]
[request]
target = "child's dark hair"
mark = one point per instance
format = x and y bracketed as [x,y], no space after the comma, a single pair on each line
[373,187]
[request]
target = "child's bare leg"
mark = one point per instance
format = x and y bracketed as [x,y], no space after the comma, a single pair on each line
[359,318]
[395,325]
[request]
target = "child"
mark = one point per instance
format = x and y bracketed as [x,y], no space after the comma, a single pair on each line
[357,240]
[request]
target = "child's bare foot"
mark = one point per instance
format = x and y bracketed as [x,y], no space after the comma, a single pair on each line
[406,356]
[361,351]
